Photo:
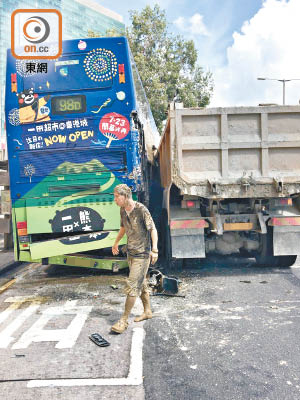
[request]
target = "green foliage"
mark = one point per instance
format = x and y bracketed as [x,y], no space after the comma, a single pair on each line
[167,63]
[112,32]
[93,34]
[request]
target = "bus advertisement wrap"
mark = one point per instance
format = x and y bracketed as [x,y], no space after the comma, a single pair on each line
[75,131]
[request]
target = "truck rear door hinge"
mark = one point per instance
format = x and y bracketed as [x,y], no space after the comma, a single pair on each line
[246,181]
[213,187]
[278,184]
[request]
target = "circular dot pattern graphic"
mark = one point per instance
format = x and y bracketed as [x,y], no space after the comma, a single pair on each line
[14,117]
[100,65]
[21,67]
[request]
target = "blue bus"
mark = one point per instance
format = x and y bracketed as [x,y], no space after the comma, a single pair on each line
[76,127]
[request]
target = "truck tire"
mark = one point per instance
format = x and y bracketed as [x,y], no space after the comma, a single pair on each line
[265,257]
[286,261]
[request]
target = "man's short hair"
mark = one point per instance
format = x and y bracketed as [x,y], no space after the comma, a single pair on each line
[123,190]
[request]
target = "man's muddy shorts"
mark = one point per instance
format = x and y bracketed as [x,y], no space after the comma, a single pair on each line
[136,283]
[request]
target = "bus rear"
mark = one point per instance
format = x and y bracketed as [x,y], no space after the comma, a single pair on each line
[71,139]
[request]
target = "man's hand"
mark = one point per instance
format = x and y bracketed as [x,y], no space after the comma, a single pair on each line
[153,257]
[115,249]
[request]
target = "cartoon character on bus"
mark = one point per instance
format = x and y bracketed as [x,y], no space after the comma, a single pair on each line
[31,108]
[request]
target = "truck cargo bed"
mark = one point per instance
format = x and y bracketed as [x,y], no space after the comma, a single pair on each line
[237,152]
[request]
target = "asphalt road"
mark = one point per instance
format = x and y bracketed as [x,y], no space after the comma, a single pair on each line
[235,335]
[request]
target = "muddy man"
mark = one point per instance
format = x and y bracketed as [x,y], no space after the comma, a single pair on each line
[139,227]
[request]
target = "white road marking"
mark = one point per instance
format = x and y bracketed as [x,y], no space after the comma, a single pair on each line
[134,378]
[66,338]
[5,335]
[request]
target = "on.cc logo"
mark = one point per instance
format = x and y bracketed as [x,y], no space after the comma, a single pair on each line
[36,29]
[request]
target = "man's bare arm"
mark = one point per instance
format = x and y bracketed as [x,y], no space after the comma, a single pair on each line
[154,238]
[154,252]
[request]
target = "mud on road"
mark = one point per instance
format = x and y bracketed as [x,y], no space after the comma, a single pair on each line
[233,336]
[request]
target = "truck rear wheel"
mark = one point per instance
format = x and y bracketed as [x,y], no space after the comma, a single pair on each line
[286,261]
[265,257]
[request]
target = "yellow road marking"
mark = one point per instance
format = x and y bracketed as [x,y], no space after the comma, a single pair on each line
[29,268]
[7,285]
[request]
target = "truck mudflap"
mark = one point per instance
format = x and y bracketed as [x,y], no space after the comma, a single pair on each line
[187,237]
[286,235]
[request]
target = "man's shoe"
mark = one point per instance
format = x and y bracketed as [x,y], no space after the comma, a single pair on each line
[120,326]
[145,315]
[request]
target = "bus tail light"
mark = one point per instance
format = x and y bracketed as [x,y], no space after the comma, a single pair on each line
[22,228]
[13,79]
[121,73]
[22,232]
[22,225]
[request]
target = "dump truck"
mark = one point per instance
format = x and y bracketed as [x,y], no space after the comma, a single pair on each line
[231,183]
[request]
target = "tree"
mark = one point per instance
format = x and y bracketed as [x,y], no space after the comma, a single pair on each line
[167,64]
[93,34]
[111,32]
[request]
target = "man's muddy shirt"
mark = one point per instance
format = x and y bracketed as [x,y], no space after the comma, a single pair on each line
[138,225]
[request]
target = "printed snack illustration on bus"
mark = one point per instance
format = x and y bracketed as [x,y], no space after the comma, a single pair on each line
[75,131]
[31,108]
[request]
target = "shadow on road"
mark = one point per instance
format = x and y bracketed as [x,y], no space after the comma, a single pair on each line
[219,266]
[212,266]
[62,270]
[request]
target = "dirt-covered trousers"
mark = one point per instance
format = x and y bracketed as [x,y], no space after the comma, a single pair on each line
[136,283]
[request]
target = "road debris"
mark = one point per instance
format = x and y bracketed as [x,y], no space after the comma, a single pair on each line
[99,340]
[169,295]
[163,284]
